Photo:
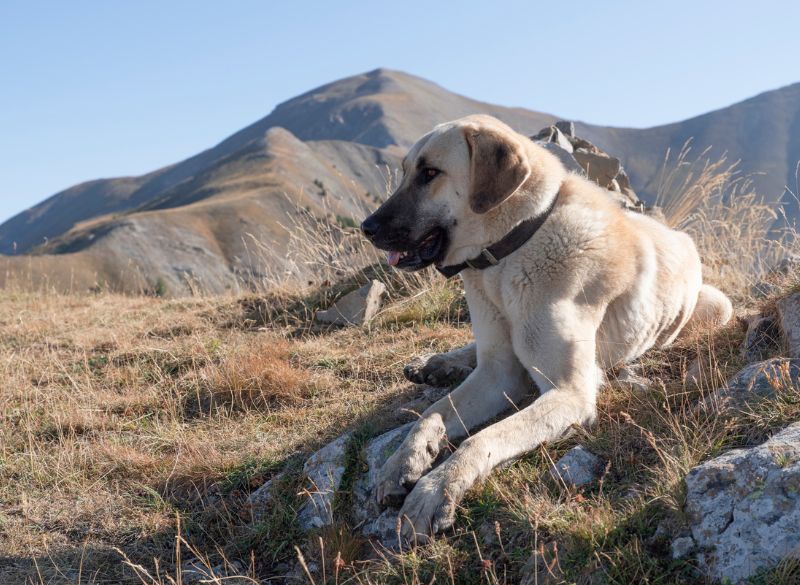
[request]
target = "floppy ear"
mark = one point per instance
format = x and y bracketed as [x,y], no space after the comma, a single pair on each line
[498,167]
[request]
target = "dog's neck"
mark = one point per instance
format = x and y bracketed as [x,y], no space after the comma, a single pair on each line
[531,200]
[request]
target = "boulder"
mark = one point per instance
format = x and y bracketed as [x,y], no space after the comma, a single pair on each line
[324,471]
[756,381]
[789,320]
[376,523]
[355,308]
[744,508]
[578,467]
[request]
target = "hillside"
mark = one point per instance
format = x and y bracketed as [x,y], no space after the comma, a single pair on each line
[332,151]
[137,435]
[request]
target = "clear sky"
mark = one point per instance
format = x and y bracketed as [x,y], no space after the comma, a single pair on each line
[101,89]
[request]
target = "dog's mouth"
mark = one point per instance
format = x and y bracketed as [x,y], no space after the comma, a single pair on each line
[428,250]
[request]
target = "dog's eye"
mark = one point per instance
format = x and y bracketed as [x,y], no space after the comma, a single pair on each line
[430,173]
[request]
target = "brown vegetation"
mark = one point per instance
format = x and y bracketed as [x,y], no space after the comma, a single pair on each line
[133,428]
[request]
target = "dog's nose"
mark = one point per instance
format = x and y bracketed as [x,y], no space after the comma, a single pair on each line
[370,227]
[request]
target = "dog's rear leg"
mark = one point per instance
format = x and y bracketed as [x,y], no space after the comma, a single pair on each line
[713,309]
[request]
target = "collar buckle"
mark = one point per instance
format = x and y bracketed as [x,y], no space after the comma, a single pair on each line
[486,255]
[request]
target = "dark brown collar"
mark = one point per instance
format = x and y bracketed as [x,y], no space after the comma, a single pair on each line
[510,243]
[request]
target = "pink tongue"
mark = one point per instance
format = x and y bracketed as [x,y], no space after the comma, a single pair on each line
[393,258]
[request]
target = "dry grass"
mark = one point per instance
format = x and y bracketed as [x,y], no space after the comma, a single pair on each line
[133,429]
[741,235]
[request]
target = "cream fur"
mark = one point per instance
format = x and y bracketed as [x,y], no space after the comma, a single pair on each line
[596,286]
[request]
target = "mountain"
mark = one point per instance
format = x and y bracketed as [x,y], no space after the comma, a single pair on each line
[198,223]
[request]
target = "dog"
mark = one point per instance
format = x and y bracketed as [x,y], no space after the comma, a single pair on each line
[561,284]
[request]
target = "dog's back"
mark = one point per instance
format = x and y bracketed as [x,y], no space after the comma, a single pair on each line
[653,273]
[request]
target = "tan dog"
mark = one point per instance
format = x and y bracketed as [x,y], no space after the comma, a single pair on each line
[589,287]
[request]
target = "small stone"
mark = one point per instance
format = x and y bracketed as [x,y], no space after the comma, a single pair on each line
[576,468]
[761,339]
[682,546]
[787,266]
[771,282]
[789,319]
[195,572]
[630,375]
[259,501]
[355,308]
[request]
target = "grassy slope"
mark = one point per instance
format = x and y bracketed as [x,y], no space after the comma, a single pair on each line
[128,421]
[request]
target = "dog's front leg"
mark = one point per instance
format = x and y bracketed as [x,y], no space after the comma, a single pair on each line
[492,388]
[566,365]
[443,369]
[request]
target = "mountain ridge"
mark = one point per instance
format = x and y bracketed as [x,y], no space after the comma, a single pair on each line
[358,123]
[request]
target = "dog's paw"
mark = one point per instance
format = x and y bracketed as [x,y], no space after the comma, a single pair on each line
[431,506]
[441,369]
[410,462]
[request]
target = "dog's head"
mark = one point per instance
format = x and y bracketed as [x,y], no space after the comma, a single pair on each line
[453,179]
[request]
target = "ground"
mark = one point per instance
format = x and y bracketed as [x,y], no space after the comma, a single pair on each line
[132,430]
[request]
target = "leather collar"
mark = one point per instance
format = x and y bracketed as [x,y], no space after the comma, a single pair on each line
[510,243]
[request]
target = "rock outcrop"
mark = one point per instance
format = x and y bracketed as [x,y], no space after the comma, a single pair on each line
[744,508]
[581,156]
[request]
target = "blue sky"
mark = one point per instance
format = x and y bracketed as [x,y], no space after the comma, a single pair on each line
[102,89]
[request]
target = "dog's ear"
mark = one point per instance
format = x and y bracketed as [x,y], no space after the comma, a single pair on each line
[498,166]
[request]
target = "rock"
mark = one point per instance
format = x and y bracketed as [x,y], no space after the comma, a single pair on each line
[761,339]
[581,156]
[324,470]
[744,507]
[565,156]
[789,320]
[682,546]
[568,128]
[258,502]
[756,381]
[630,375]
[355,308]
[577,467]
[443,369]
[381,525]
